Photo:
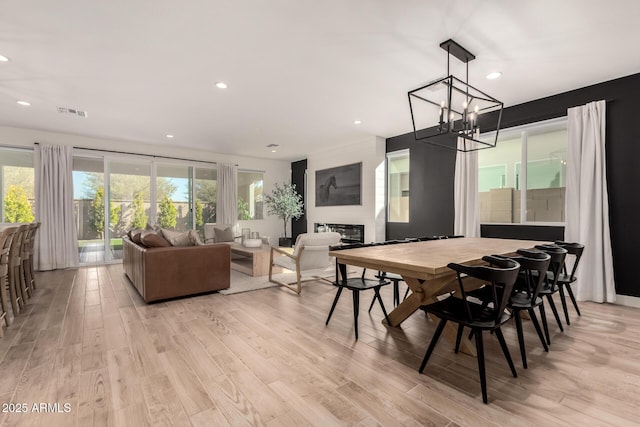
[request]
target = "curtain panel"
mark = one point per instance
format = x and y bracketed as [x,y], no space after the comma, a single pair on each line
[466,198]
[227,194]
[587,201]
[56,240]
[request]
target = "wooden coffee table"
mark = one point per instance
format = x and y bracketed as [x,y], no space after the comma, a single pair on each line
[251,261]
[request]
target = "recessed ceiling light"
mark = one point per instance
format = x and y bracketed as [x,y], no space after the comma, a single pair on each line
[357,122]
[494,75]
[169,136]
[24,103]
[273,151]
[3,58]
[221,85]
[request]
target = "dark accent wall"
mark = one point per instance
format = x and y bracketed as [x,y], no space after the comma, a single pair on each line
[298,174]
[431,170]
[623,173]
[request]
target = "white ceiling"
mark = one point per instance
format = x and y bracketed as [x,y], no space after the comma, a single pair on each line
[299,71]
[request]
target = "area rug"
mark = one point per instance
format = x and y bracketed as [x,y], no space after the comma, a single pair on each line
[243,283]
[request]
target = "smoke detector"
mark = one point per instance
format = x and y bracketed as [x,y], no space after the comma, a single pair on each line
[73,111]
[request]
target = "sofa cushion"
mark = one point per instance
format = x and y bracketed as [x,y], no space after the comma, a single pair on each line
[151,239]
[224,234]
[178,238]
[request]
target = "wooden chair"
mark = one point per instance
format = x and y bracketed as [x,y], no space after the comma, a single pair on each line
[16,278]
[27,257]
[310,258]
[478,317]
[5,244]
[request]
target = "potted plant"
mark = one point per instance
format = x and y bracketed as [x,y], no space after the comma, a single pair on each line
[285,203]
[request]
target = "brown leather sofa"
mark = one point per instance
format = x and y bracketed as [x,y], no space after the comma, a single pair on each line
[162,273]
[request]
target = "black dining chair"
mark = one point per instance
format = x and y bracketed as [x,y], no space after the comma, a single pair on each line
[551,287]
[526,294]
[356,285]
[566,280]
[501,277]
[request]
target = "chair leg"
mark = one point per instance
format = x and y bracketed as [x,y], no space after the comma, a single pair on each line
[356,309]
[4,302]
[373,300]
[481,369]
[406,293]
[459,337]
[333,306]
[536,324]
[396,293]
[523,352]
[432,344]
[377,295]
[505,350]
[563,300]
[573,299]
[545,326]
[555,311]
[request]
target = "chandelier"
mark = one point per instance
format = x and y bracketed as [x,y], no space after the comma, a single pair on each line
[450,106]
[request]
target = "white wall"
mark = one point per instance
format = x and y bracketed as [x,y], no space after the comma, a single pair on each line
[274,170]
[371,152]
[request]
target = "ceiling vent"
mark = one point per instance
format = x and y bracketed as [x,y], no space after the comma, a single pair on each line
[73,111]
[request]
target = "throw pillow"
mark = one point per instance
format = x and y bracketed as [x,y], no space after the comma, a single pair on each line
[195,238]
[224,235]
[150,239]
[135,235]
[177,238]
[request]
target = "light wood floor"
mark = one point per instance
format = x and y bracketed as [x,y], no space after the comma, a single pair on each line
[265,358]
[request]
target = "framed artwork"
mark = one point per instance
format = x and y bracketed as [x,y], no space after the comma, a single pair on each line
[339,186]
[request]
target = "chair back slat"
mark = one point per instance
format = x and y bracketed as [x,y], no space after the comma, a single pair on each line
[574,249]
[501,275]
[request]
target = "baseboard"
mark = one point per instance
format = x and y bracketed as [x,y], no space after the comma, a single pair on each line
[628,301]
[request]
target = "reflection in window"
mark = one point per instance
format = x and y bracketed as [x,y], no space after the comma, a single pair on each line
[398,182]
[501,177]
[250,198]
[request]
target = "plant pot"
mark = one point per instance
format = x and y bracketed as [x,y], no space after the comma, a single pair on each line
[284,242]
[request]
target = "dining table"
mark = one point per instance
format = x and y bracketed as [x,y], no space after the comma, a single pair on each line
[423,266]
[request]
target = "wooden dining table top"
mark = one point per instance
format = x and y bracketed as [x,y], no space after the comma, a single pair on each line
[428,259]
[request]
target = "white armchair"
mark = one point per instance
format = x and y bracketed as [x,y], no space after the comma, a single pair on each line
[310,259]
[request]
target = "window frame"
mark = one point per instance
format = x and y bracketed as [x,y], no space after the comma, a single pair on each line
[525,131]
[390,156]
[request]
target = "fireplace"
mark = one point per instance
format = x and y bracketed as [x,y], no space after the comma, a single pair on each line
[351,233]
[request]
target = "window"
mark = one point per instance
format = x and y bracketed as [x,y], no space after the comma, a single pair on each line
[542,149]
[17,185]
[250,199]
[89,208]
[398,186]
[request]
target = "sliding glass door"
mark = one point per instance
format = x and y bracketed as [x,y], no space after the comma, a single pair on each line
[89,208]
[129,192]
[174,195]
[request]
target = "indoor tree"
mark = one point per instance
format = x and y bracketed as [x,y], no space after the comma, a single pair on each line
[285,203]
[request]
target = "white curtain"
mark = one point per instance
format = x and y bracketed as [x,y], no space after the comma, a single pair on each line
[57,239]
[466,199]
[227,195]
[587,201]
